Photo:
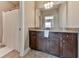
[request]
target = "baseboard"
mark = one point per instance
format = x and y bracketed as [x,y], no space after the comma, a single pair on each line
[4,51]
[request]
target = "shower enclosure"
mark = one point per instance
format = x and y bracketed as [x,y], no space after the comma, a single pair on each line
[9,31]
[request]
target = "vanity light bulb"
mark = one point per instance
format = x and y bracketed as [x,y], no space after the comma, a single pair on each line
[48,5]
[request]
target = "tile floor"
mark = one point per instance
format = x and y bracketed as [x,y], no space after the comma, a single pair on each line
[12,54]
[31,54]
[38,54]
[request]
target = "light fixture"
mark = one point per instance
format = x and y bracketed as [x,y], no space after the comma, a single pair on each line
[48,5]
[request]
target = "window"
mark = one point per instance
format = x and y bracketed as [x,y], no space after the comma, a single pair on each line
[49,21]
[47,24]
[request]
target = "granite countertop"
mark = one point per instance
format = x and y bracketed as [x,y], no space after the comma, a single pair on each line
[68,30]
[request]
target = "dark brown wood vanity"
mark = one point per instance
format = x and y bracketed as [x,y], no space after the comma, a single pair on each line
[61,44]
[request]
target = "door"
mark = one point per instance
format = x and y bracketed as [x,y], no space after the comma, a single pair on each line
[33,39]
[54,44]
[69,43]
[41,42]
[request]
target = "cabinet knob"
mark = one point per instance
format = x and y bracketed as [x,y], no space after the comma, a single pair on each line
[60,44]
[67,35]
[63,41]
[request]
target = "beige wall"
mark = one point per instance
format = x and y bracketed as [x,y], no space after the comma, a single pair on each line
[1,27]
[28,20]
[73,14]
[62,15]
[29,13]
[37,20]
[69,15]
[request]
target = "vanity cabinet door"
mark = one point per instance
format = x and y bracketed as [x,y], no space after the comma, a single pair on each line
[38,41]
[69,43]
[54,44]
[58,44]
[42,42]
[33,39]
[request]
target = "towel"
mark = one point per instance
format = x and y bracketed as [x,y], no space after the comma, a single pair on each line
[46,33]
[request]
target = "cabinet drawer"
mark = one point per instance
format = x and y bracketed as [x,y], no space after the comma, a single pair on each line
[54,36]
[33,33]
[69,35]
[41,34]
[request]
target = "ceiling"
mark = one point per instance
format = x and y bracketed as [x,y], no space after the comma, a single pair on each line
[15,3]
[40,4]
[8,5]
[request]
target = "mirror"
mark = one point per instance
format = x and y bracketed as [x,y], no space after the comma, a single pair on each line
[50,14]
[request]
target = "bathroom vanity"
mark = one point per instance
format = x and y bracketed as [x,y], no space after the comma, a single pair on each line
[60,42]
